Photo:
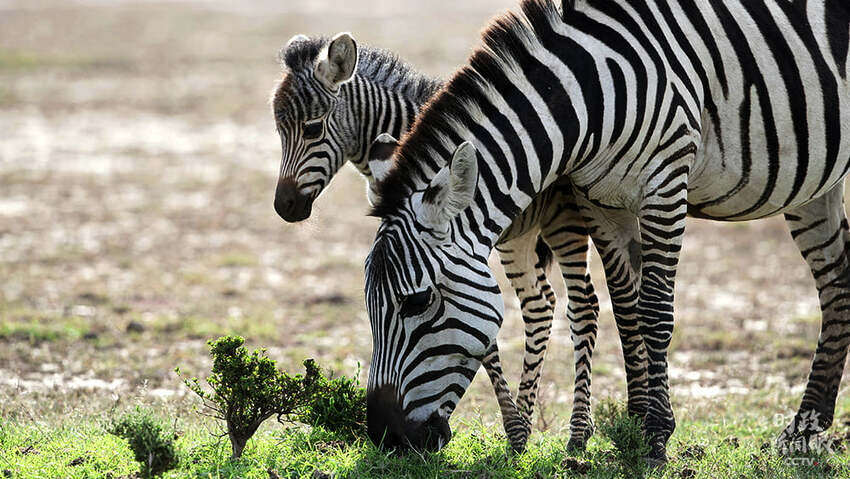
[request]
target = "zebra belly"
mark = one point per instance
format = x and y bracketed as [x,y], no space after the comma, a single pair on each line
[746,182]
[766,164]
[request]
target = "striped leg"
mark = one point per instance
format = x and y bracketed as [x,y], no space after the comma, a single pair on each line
[821,232]
[567,235]
[616,237]
[525,269]
[662,226]
[517,427]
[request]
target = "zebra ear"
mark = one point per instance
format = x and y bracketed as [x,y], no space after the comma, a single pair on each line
[337,62]
[453,188]
[380,163]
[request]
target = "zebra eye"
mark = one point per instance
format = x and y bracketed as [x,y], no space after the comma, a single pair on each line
[416,303]
[312,129]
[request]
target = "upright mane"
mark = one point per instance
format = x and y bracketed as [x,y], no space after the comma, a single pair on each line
[377,65]
[503,39]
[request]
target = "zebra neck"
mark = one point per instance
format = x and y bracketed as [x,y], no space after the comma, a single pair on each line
[524,144]
[379,108]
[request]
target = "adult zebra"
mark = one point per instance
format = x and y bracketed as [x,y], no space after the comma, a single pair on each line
[335,98]
[730,110]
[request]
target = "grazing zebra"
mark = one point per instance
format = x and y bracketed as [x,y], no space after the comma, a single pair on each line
[653,109]
[335,98]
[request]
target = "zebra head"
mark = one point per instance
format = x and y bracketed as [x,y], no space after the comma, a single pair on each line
[314,124]
[434,307]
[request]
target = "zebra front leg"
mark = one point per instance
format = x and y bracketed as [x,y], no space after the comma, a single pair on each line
[525,260]
[821,232]
[662,218]
[568,237]
[517,427]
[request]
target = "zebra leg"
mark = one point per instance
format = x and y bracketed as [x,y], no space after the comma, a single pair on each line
[526,271]
[616,236]
[517,427]
[662,217]
[821,232]
[568,237]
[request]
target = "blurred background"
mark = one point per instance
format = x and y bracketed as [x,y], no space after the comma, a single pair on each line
[138,159]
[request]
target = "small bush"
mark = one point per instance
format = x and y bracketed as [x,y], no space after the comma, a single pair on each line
[247,389]
[152,445]
[625,432]
[337,405]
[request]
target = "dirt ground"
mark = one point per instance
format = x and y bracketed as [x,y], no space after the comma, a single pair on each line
[137,165]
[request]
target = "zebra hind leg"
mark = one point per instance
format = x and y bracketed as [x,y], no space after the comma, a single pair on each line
[821,233]
[568,237]
[615,235]
[516,426]
[525,266]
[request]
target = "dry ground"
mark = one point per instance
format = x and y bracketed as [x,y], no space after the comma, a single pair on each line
[137,166]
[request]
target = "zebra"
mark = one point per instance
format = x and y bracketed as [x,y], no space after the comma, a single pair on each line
[652,110]
[335,97]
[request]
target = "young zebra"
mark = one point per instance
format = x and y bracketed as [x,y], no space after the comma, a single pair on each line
[654,109]
[334,99]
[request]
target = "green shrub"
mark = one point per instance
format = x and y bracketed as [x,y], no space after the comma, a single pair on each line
[152,445]
[336,404]
[625,432]
[247,389]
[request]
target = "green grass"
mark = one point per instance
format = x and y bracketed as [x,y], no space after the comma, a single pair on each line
[35,327]
[475,452]
[236,260]
[15,60]
[26,61]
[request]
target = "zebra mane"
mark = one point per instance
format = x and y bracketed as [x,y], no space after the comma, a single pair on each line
[377,65]
[503,38]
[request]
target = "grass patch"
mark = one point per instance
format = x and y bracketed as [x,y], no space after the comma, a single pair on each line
[151,443]
[625,434]
[236,260]
[28,61]
[18,61]
[698,450]
[73,450]
[37,327]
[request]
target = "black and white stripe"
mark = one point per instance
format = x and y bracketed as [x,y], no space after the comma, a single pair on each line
[383,96]
[653,110]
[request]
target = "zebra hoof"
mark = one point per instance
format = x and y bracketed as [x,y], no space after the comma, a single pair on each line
[657,457]
[791,444]
[577,445]
[796,438]
[655,462]
[580,436]
[518,445]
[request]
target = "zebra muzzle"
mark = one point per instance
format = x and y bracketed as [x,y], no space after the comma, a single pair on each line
[289,203]
[438,431]
[390,429]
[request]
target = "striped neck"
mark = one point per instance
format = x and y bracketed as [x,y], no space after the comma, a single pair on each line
[531,102]
[379,107]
